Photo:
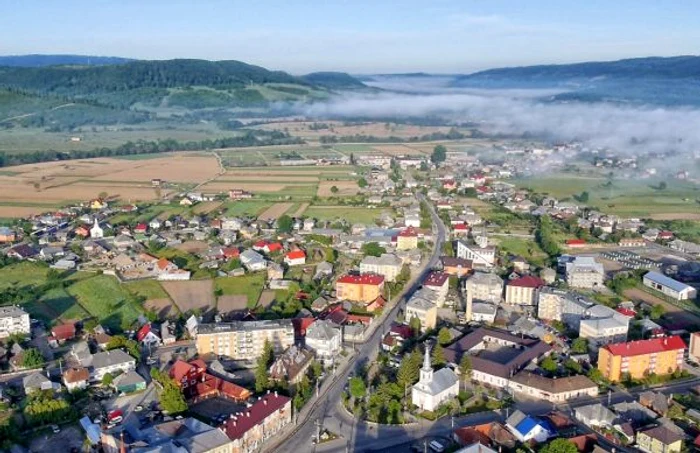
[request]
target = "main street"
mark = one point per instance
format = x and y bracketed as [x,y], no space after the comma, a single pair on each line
[326,409]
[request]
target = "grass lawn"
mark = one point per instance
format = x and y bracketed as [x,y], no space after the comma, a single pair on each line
[242,208]
[23,274]
[150,289]
[57,302]
[251,285]
[104,298]
[527,248]
[349,213]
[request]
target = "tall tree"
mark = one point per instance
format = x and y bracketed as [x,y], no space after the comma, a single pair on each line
[444,336]
[439,155]
[285,224]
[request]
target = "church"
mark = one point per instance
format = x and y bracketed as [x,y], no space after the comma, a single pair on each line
[96,231]
[434,387]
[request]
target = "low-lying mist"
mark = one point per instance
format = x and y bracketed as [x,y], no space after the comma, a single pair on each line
[630,129]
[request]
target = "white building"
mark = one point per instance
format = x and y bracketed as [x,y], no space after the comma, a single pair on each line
[111,362]
[584,272]
[388,265]
[434,388]
[253,261]
[602,325]
[483,312]
[482,287]
[13,320]
[324,339]
[96,232]
[669,287]
[480,256]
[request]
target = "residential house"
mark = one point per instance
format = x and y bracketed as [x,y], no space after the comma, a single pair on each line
[387,265]
[111,362]
[76,378]
[659,439]
[639,358]
[255,424]
[147,337]
[13,320]
[61,333]
[480,256]
[407,239]
[434,387]
[295,258]
[557,390]
[324,339]
[7,235]
[129,382]
[253,261]
[21,252]
[35,382]
[528,428]
[396,336]
[439,283]
[595,415]
[456,266]
[197,384]
[275,271]
[292,365]
[422,308]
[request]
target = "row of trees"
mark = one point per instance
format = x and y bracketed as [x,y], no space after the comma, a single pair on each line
[453,134]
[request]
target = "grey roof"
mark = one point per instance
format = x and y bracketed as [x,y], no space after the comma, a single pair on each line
[129,378]
[11,311]
[386,259]
[251,256]
[442,380]
[632,410]
[596,412]
[485,278]
[245,326]
[420,303]
[34,380]
[109,358]
[322,330]
[515,418]
[666,281]
[584,264]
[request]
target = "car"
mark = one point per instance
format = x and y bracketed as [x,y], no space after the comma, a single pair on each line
[55,429]
[138,408]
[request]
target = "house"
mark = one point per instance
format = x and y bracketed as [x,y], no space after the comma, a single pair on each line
[359,288]
[659,439]
[141,228]
[197,384]
[239,194]
[129,382]
[656,401]
[166,333]
[528,428]
[275,271]
[35,382]
[434,387]
[324,339]
[396,336]
[439,283]
[7,235]
[584,272]
[76,378]
[309,224]
[575,243]
[557,390]
[111,362]
[482,312]
[323,269]
[456,266]
[257,423]
[387,265]
[595,415]
[147,337]
[295,258]
[292,365]
[13,320]
[523,290]
[639,358]
[21,252]
[252,260]
[423,309]
[63,332]
[668,286]
[407,239]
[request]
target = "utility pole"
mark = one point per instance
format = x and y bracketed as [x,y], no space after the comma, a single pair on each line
[318,431]
[609,397]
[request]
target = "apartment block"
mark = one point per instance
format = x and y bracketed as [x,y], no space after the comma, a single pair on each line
[640,358]
[13,320]
[244,340]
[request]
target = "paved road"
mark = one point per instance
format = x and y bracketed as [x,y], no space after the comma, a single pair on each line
[328,410]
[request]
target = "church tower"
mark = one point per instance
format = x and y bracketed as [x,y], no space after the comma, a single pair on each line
[426,373]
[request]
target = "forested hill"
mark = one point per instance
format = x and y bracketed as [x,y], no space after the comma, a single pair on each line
[334,80]
[35,61]
[681,67]
[73,80]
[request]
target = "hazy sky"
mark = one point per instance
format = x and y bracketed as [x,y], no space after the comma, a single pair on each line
[359,36]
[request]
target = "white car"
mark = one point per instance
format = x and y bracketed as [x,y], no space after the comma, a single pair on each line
[55,429]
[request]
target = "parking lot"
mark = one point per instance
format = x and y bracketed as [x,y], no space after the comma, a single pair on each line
[214,408]
[630,260]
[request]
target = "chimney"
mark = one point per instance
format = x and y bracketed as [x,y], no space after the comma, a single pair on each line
[275,393]
[265,402]
[248,413]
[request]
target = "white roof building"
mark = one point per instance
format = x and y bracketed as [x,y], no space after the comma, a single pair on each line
[434,387]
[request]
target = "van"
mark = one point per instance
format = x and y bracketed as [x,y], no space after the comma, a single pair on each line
[436,446]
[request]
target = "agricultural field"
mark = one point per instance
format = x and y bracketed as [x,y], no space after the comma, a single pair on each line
[104,298]
[275,211]
[245,207]
[249,286]
[526,248]
[22,274]
[311,130]
[344,188]
[149,289]
[634,198]
[191,295]
[352,214]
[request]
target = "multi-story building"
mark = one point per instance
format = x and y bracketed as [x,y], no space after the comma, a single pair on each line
[258,422]
[244,340]
[558,390]
[558,305]
[364,288]
[660,439]
[387,265]
[602,325]
[407,239]
[324,339]
[523,290]
[482,287]
[480,256]
[422,306]
[668,286]
[13,320]
[111,362]
[292,365]
[639,358]
[584,272]
[694,347]
[439,283]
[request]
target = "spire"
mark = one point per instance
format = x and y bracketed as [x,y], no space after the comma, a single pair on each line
[426,359]
[97,225]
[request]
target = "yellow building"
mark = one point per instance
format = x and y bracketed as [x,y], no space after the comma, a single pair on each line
[364,288]
[641,358]
[659,439]
[244,340]
[407,239]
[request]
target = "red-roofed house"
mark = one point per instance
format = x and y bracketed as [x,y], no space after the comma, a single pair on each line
[259,246]
[272,247]
[396,336]
[359,288]
[82,231]
[376,304]
[460,230]
[63,332]
[141,228]
[639,358]
[198,385]
[231,252]
[407,239]
[627,312]
[665,235]
[295,258]
[164,266]
[257,423]
[440,283]
[523,290]
[575,243]
[146,336]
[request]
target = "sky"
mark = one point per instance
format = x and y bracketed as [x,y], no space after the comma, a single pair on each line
[357,36]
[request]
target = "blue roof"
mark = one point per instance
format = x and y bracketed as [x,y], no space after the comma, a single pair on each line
[527,425]
[666,281]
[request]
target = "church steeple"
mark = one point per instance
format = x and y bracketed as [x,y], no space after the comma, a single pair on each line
[426,373]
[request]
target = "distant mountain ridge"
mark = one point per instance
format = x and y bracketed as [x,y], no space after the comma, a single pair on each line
[39,60]
[333,80]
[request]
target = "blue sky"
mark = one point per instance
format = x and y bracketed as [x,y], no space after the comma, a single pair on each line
[360,36]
